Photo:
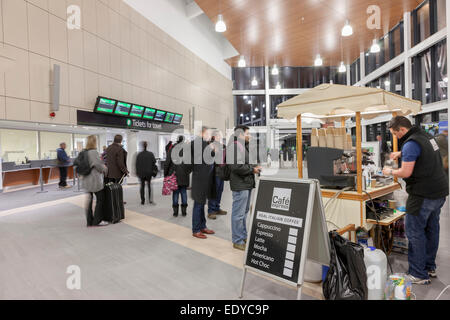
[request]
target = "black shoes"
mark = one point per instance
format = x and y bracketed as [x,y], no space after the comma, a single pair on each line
[184,210]
[175,210]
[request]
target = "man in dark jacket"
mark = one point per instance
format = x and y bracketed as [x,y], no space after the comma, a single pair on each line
[63,163]
[427,188]
[203,183]
[145,168]
[117,161]
[182,171]
[242,181]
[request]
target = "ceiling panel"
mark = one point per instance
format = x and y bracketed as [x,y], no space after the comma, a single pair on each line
[293,32]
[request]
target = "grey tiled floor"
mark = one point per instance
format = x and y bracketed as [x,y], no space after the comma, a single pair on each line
[121,262]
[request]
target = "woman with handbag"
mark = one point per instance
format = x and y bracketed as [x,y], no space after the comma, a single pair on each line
[178,174]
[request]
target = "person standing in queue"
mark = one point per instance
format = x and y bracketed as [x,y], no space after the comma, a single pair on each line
[182,173]
[203,182]
[63,164]
[93,184]
[117,161]
[214,204]
[242,182]
[427,188]
[145,168]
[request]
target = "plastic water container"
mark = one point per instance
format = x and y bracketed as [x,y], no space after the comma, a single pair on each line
[376,266]
[313,272]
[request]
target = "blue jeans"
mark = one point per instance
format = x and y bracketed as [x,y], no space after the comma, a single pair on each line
[214,204]
[241,206]
[423,236]
[198,218]
[176,195]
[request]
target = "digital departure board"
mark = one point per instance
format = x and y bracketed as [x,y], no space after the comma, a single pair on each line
[160,115]
[169,117]
[149,113]
[104,105]
[178,118]
[137,111]
[123,109]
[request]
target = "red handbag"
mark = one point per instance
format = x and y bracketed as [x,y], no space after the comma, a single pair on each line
[169,185]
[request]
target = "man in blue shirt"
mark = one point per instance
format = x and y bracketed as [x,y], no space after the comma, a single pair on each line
[63,163]
[427,188]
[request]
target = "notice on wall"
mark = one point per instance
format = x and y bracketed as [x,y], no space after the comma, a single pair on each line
[278,228]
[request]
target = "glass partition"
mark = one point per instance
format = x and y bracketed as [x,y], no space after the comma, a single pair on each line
[19,145]
[50,142]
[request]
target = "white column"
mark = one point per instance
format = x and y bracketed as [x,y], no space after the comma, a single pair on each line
[408,61]
[132,148]
[268,120]
[349,78]
[1,176]
[362,66]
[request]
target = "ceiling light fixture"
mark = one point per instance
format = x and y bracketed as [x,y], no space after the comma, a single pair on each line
[278,86]
[242,115]
[275,70]
[446,79]
[220,25]
[387,83]
[254,82]
[347,30]
[242,63]
[342,67]
[318,62]
[257,109]
[375,47]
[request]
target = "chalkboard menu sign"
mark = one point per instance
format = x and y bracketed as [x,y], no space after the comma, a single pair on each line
[287,228]
[275,244]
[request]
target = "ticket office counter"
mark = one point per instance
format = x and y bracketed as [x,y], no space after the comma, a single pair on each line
[29,174]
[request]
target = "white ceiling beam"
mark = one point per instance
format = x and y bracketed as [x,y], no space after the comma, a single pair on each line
[193,10]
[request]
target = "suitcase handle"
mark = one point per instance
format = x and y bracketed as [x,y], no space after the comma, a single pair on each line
[121,180]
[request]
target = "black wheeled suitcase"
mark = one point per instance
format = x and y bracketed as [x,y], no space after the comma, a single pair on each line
[114,210]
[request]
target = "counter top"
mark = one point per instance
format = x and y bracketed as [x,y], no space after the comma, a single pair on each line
[353,195]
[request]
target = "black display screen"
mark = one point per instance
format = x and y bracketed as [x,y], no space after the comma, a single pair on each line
[137,111]
[169,117]
[160,115]
[178,118]
[149,113]
[123,109]
[105,105]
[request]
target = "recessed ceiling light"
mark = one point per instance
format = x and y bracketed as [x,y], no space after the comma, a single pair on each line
[342,67]
[347,30]
[318,62]
[220,25]
[375,47]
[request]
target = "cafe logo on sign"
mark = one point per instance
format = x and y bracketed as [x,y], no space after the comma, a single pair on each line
[281,199]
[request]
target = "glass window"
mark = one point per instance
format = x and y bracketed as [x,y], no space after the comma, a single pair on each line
[243,77]
[421,23]
[19,145]
[398,81]
[250,110]
[274,102]
[441,14]
[50,142]
[355,72]
[442,79]
[288,78]
[338,77]
[80,143]
[397,45]
[307,77]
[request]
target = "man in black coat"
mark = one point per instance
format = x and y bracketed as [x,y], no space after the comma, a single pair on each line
[203,182]
[145,170]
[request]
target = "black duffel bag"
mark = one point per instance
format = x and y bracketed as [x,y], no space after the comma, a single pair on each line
[347,277]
